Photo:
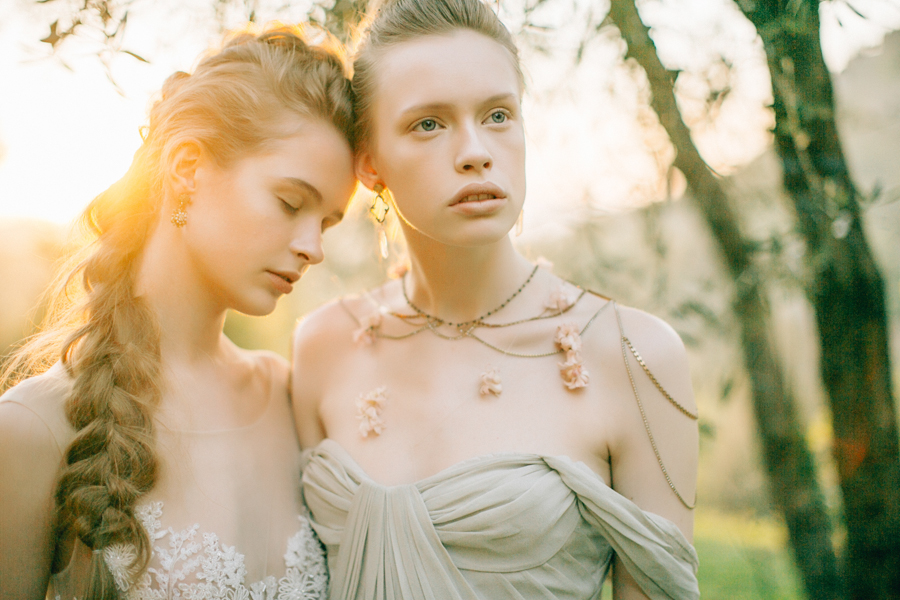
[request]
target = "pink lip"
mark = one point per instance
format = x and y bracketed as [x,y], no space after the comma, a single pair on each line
[479,208]
[476,189]
[291,276]
[283,281]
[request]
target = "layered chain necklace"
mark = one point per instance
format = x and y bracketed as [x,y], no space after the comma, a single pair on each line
[465,325]
[567,341]
[466,329]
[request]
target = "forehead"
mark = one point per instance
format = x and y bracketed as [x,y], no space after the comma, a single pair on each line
[313,152]
[456,67]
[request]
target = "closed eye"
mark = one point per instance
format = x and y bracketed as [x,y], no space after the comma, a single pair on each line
[288,207]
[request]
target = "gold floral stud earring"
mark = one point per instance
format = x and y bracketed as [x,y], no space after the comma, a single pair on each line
[179,215]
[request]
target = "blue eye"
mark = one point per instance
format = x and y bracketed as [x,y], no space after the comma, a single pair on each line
[499,117]
[427,125]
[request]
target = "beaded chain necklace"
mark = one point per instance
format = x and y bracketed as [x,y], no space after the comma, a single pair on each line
[467,329]
[464,324]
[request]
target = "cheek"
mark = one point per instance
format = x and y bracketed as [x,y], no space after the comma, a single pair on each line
[230,226]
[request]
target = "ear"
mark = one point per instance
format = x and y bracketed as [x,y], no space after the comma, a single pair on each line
[182,167]
[365,169]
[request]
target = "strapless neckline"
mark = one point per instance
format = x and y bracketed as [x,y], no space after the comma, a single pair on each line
[503,526]
[456,468]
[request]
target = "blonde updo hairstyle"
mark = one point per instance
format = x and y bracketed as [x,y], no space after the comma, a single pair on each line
[234,102]
[396,21]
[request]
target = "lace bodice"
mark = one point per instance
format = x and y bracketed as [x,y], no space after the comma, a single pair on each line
[195,565]
[222,516]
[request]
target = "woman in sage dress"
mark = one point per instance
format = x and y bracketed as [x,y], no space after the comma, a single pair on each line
[478,427]
[155,459]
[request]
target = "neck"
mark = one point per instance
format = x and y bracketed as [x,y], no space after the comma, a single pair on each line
[461,284]
[190,320]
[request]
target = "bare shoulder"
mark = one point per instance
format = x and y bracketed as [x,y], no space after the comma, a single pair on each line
[324,341]
[655,350]
[34,435]
[655,338]
[654,449]
[615,332]
[274,367]
[638,324]
[329,331]
[33,412]
[334,320]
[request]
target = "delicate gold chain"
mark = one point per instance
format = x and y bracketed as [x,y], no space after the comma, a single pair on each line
[471,325]
[543,354]
[480,319]
[659,386]
[539,317]
[467,332]
[640,404]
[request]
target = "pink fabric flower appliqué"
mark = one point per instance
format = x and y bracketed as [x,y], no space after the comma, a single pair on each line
[572,371]
[558,301]
[568,338]
[491,382]
[368,411]
[368,327]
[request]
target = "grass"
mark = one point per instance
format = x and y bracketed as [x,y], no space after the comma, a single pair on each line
[744,558]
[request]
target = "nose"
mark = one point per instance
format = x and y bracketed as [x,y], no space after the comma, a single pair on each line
[473,155]
[306,243]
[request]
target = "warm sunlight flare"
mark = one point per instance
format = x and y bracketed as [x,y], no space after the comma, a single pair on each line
[67,132]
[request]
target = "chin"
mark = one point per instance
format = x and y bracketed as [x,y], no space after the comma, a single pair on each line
[256,307]
[477,234]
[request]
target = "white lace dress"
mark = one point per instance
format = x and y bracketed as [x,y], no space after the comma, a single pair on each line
[225,519]
[193,565]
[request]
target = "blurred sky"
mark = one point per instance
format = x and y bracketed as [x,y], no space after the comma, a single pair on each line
[66,132]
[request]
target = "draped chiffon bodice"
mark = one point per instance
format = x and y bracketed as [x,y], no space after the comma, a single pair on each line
[507,525]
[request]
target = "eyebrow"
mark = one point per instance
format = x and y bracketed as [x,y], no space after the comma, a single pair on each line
[304,187]
[437,106]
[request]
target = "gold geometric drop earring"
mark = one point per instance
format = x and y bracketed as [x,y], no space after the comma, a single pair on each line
[179,215]
[379,210]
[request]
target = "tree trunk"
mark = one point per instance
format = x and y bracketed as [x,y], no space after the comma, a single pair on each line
[846,291]
[789,465]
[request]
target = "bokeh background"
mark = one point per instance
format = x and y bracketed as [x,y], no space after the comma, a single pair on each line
[604,203]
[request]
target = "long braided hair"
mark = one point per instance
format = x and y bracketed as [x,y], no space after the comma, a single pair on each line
[105,334]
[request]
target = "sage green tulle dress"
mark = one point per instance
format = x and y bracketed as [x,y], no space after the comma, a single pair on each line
[502,526]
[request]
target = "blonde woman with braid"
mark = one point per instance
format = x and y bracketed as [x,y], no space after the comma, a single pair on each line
[483,429]
[154,458]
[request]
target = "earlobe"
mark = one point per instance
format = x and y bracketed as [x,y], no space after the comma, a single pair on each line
[365,170]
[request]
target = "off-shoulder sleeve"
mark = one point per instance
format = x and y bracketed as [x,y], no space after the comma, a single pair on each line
[652,549]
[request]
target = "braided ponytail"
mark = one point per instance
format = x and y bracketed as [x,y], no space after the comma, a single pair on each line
[105,334]
[114,361]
